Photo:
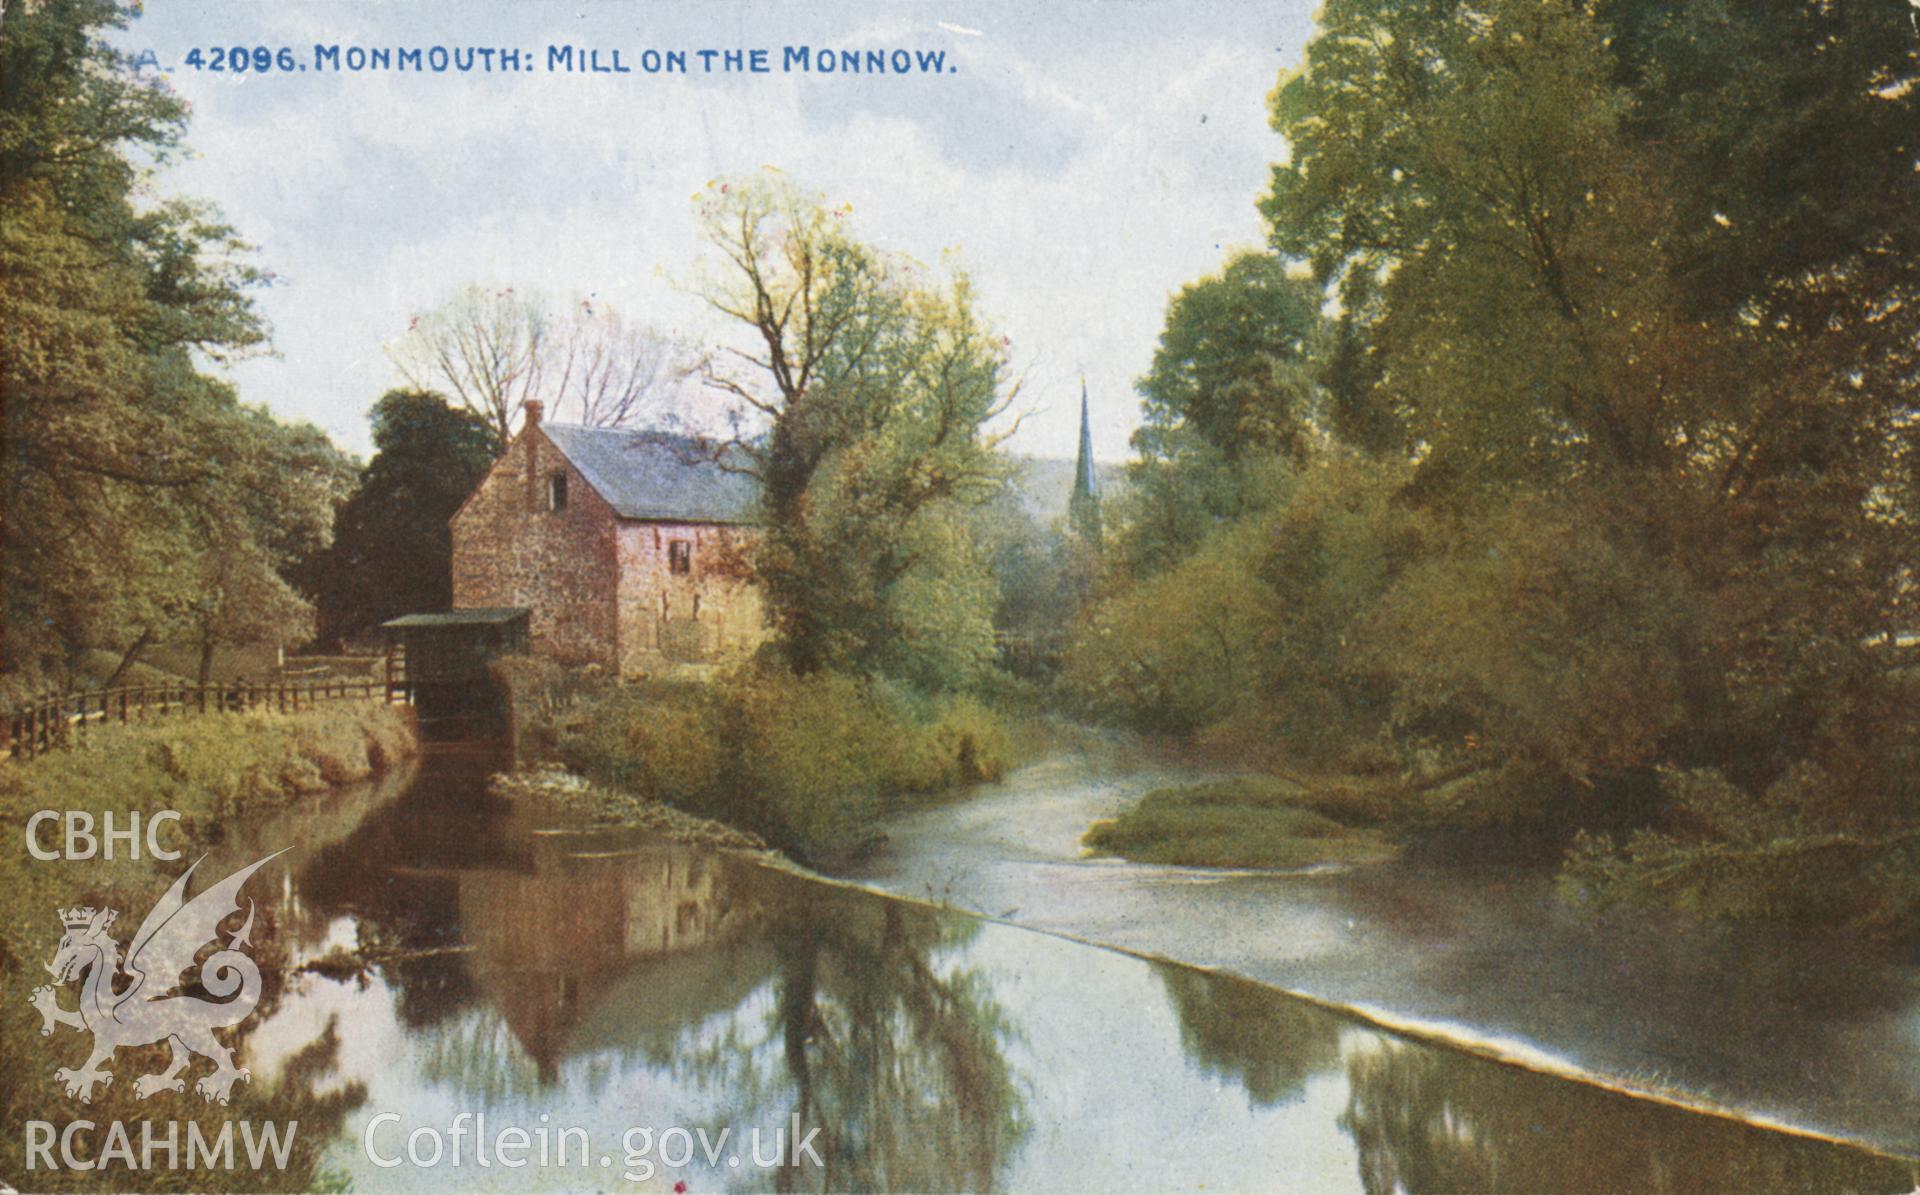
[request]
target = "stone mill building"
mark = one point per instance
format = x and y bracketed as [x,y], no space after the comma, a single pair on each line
[627,547]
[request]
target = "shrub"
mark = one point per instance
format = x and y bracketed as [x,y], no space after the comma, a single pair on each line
[1549,637]
[1799,851]
[810,763]
[657,740]
[1255,627]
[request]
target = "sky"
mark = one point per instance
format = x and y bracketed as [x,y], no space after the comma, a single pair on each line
[1082,161]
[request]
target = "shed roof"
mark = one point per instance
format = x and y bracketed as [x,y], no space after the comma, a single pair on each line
[656,475]
[478,616]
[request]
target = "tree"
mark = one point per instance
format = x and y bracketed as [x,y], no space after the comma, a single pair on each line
[1232,365]
[270,505]
[612,371]
[1231,401]
[860,408]
[1469,179]
[1256,626]
[488,347]
[1585,320]
[1482,182]
[392,551]
[110,435]
[494,350]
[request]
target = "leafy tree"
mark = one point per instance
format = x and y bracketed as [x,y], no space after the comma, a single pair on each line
[128,474]
[1043,574]
[1471,179]
[1189,490]
[270,505]
[860,409]
[1551,310]
[1231,392]
[1232,365]
[1482,173]
[392,552]
[1257,627]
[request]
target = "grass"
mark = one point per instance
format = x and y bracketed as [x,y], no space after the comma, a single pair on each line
[1242,821]
[211,769]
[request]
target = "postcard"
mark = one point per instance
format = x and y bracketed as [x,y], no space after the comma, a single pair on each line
[959,596]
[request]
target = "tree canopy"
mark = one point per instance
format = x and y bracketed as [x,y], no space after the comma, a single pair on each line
[1232,391]
[392,551]
[494,350]
[1616,409]
[860,402]
[141,499]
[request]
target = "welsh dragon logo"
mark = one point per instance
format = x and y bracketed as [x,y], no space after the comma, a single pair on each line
[134,1003]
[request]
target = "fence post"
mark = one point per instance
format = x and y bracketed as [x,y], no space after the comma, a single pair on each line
[63,719]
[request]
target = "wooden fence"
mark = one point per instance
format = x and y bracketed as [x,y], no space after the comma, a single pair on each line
[62,720]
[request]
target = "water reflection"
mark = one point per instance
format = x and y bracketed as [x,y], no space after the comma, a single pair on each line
[603,981]
[1239,1031]
[899,1055]
[1427,1120]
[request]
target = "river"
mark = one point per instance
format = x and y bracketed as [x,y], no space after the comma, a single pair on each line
[618,997]
[1812,1028]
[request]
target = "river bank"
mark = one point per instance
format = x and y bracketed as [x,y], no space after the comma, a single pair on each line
[808,764]
[218,772]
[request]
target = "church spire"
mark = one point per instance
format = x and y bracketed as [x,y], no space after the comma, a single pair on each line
[1083,508]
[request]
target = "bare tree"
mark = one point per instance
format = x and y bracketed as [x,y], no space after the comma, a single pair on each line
[608,371]
[495,349]
[486,346]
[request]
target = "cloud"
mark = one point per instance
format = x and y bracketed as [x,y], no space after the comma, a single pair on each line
[1083,170]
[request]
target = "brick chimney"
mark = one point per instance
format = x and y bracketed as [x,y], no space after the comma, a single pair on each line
[534,410]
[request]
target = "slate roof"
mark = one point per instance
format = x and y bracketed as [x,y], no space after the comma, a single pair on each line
[655,475]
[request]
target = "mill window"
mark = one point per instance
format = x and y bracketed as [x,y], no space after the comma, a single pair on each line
[679,556]
[557,492]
